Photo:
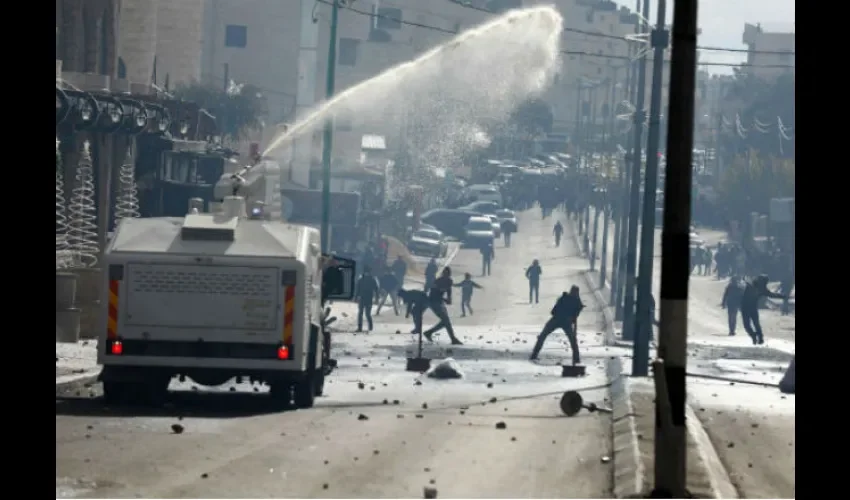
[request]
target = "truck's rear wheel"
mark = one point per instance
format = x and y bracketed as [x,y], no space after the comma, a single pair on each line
[116,392]
[305,390]
[281,393]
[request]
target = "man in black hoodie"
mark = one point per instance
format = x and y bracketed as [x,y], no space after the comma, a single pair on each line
[564,316]
[731,301]
[366,292]
[753,292]
[417,302]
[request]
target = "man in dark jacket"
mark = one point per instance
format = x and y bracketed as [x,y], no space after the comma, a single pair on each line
[558,231]
[439,295]
[430,273]
[366,293]
[533,275]
[399,268]
[731,301]
[564,316]
[487,255]
[753,292]
[416,302]
[389,287]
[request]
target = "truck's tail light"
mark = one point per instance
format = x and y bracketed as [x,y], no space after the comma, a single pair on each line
[283,352]
[116,347]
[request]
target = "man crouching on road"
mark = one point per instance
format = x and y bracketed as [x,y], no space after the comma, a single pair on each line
[564,316]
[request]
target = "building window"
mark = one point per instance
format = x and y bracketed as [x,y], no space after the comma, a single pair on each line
[348,51]
[389,18]
[236,36]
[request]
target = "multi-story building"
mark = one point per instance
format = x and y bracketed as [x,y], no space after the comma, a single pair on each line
[160,41]
[770,53]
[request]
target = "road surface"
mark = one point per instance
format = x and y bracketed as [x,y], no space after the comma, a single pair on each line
[380,432]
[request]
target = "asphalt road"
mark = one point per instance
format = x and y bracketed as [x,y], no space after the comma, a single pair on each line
[380,432]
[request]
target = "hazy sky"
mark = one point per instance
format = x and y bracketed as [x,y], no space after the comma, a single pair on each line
[722,23]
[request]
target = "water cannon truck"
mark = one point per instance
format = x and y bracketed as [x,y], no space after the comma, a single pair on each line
[234,292]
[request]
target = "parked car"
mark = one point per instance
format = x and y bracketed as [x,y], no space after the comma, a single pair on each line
[484,192]
[428,242]
[497,227]
[482,207]
[507,217]
[478,232]
[450,221]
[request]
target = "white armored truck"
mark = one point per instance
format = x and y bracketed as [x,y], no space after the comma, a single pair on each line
[213,296]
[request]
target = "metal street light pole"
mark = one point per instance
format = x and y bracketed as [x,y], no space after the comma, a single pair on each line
[643,319]
[588,155]
[634,196]
[671,440]
[622,237]
[327,139]
[604,199]
[576,135]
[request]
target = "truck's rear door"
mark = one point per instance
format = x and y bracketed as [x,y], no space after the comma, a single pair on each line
[216,303]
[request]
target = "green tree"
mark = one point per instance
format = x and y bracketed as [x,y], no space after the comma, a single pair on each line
[533,116]
[238,110]
[749,183]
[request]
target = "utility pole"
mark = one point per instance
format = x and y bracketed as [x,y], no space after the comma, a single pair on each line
[634,196]
[670,440]
[622,237]
[604,198]
[659,40]
[327,139]
[576,135]
[588,159]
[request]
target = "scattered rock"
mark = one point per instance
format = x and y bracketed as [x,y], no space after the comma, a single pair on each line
[417,382]
[362,417]
[396,402]
[419,415]
[204,475]
[730,445]
[177,428]
[513,438]
[232,389]
[325,486]
[376,452]
[430,492]
[424,406]
[386,402]
[501,425]
[493,400]
[490,385]
[399,416]
[462,412]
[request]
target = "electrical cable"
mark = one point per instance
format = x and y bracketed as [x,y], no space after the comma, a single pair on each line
[567,52]
[637,35]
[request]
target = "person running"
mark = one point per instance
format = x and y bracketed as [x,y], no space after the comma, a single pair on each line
[533,275]
[731,301]
[389,287]
[430,273]
[564,316]
[558,231]
[416,302]
[753,292]
[366,292]
[439,295]
[466,288]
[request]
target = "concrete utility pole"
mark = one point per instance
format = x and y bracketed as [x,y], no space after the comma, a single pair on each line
[670,440]
[631,89]
[328,137]
[643,319]
[604,199]
[576,135]
[588,159]
[634,196]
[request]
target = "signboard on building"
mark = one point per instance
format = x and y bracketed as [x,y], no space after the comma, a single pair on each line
[782,210]
[304,206]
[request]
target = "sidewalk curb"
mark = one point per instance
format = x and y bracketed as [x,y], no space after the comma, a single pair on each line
[77,380]
[629,474]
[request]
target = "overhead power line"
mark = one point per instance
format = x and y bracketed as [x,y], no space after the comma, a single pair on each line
[604,35]
[374,15]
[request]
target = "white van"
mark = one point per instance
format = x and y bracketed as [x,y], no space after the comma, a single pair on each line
[484,192]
